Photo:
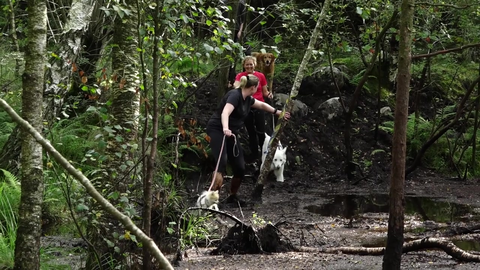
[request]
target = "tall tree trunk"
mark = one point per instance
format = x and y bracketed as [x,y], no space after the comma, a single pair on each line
[393,252]
[150,156]
[59,76]
[13,31]
[124,112]
[27,245]
[60,72]
[257,192]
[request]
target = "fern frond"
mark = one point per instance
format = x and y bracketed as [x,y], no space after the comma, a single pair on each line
[10,179]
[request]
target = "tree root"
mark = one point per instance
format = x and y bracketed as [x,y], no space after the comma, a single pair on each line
[248,240]
[426,243]
[243,238]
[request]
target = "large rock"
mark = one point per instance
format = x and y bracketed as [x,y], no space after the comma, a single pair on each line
[324,75]
[321,83]
[331,108]
[299,108]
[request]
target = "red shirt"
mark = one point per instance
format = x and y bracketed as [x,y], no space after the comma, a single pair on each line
[262,81]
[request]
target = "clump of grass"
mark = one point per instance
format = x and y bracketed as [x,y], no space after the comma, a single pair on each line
[9,201]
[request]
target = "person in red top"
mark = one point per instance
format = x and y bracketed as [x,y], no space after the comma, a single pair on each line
[255,121]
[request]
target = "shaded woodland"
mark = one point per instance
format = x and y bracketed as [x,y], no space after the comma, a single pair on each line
[116,97]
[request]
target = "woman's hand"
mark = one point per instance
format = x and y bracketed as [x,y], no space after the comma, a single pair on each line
[270,95]
[227,132]
[286,116]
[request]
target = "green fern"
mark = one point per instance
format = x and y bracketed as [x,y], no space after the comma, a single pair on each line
[9,201]
[74,137]
[10,179]
[6,127]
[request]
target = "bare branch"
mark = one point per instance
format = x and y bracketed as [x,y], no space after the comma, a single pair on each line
[443,5]
[461,48]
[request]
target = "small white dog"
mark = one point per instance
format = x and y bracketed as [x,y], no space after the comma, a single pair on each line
[279,160]
[208,199]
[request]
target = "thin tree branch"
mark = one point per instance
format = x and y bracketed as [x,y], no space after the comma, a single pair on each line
[443,5]
[461,48]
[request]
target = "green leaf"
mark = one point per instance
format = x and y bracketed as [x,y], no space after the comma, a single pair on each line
[134,238]
[114,195]
[124,199]
[109,243]
[207,47]
[82,207]
[218,50]
[109,129]
[359,10]
[377,151]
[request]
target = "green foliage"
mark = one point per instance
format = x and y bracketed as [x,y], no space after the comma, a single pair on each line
[9,202]
[74,137]
[8,63]
[63,196]
[450,154]
[447,75]
[418,132]
[6,127]
[197,230]
[350,60]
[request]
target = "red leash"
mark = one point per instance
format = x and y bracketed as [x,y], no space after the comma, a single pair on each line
[218,163]
[220,156]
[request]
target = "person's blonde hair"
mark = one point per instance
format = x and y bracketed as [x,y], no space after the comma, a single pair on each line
[249,57]
[248,81]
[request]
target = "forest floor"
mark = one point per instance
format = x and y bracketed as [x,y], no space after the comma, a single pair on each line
[318,207]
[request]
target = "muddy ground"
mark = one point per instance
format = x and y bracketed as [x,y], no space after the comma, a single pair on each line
[318,207]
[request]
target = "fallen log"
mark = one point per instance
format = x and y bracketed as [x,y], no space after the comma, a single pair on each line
[416,245]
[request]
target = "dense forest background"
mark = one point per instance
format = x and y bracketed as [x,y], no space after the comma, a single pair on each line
[127,87]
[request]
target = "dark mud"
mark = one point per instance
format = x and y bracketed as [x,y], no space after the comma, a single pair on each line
[318,207]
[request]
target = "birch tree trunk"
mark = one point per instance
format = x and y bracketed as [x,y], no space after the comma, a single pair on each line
[393,252]
[59,76]
[124,118]
[27,245]
[60,72]
[257,192]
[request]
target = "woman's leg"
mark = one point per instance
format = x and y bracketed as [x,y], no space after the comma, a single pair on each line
[235,156]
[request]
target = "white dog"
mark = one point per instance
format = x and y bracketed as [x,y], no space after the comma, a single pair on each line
[208,199]
[279,160]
